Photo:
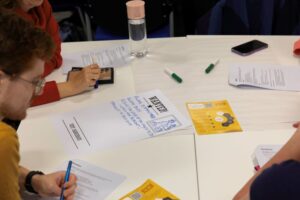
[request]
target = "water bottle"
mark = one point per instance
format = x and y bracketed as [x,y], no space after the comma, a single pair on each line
[137,27]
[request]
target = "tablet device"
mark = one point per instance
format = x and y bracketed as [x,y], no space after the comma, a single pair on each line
[106,77]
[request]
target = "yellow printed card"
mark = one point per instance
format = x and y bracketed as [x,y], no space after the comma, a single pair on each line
[213,117]
[149,191]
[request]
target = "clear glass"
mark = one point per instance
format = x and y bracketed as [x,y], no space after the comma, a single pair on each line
[138,37]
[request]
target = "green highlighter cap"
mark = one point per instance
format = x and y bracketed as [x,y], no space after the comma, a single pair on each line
[211,66]
[176,77]
[173,75]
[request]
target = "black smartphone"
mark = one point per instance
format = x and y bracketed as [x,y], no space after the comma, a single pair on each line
[249,47]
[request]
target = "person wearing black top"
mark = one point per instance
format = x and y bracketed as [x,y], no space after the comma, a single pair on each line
[279,177]
[279,182]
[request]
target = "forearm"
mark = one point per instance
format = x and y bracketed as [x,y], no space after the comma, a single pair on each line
[291,150]
[66,90]
[245,197]
[35,181]
[23,172]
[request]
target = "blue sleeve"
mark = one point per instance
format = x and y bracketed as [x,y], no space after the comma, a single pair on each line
[279,182]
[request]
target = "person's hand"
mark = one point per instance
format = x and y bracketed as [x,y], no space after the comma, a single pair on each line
[79,81]
[51,185]
[296,125]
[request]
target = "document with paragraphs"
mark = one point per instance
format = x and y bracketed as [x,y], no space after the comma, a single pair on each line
[93,182]
[105,57]
[275,77]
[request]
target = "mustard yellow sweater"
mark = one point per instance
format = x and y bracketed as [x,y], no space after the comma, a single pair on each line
[9,163]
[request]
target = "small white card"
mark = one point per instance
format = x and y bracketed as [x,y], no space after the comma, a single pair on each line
[263,153]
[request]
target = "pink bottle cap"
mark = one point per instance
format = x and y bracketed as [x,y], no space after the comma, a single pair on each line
[135,9]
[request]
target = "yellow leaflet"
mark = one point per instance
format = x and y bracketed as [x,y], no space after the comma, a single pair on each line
[149,191]
[213,117]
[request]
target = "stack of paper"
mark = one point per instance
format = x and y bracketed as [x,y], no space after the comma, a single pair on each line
[105,57]
[275,77]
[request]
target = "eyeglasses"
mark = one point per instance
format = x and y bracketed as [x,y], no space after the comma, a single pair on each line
[38,84]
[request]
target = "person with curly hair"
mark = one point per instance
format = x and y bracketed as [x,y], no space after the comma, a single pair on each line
[39,12]
[23,52]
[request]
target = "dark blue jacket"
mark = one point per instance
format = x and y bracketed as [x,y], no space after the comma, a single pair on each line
[279,182]
[241,17]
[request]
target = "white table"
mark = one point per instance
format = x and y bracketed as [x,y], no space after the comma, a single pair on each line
[189,57]
[170,160]
[224,161]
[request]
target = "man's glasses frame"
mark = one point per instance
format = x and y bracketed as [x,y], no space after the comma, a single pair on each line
[38,84]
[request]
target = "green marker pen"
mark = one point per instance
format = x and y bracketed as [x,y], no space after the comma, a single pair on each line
[211,66]
[173,75]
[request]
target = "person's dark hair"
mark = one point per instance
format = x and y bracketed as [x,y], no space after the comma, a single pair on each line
[9,4]
[20,42]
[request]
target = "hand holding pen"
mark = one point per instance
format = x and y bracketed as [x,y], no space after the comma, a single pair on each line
[64,192]
[82,80]
[54,185]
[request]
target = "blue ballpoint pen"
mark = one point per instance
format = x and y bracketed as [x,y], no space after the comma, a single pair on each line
[67,176]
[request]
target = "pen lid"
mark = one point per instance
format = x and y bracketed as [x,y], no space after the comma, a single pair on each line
[135,9]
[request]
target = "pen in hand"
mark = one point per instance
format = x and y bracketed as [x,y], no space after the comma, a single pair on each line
[67,176]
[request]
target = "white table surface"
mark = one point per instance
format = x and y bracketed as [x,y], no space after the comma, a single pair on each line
[170,159]
[189,58]
[224,161]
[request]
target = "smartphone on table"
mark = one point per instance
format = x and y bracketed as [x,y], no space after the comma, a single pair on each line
[250,47]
